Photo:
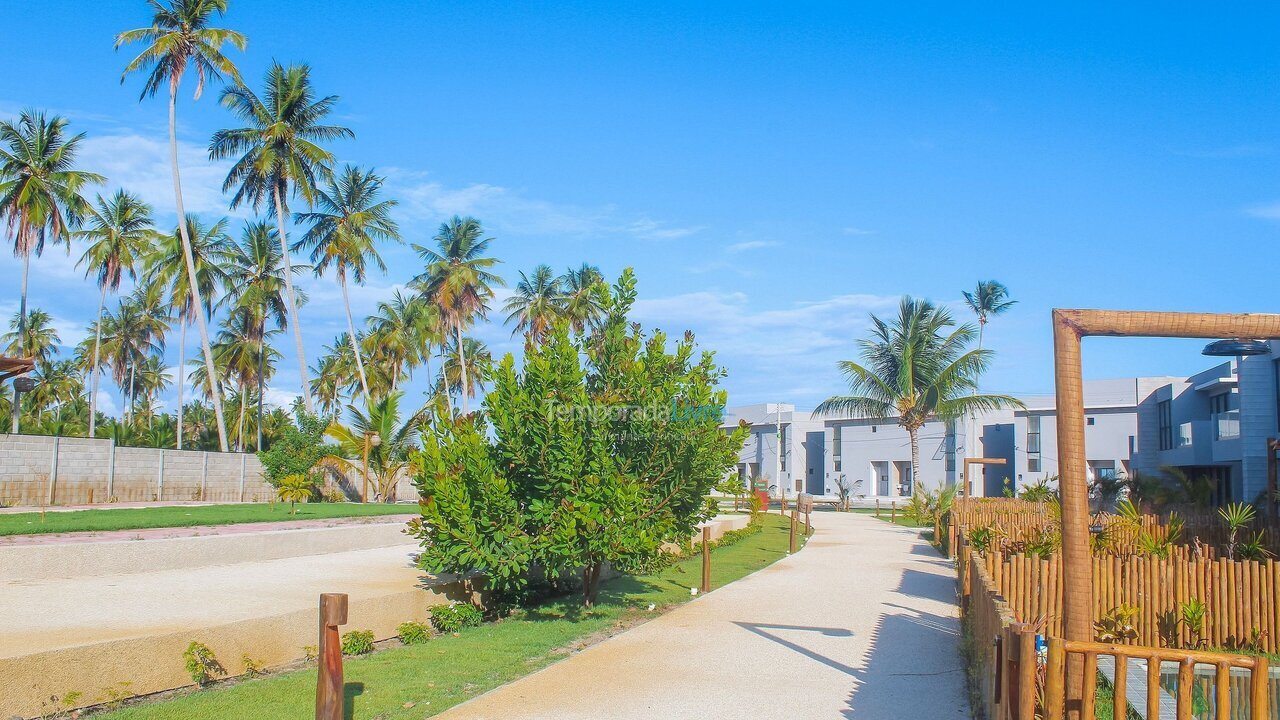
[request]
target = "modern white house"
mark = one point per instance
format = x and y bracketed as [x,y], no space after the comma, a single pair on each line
[1215,423]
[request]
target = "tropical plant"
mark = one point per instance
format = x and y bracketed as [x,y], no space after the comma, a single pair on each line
[1253,548]
[1106,491]
[459,282]
[400,336]
[1192,616]
[413,632]
[299,448]
[278,156]
[912,370]
[207,248]
[344,233]
[473,359]
[536,304]
[119,235]
[1039,491]
[454,617]
[294,489]
[36,338]
[988,299]
[255,278]
[1237,516]
[379,434]
[179,39]
[582,291]
[1117,625]
[202,665]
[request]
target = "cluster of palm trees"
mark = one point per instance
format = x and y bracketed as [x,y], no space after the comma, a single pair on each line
[240,294]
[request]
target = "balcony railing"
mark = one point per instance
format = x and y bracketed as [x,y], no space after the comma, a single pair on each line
[1184,435]
[1227,425]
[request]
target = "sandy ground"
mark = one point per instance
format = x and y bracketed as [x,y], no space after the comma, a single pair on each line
[860,624]
[197,530]
[58,613]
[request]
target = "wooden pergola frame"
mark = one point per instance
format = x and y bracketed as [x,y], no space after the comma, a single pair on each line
[14,366]
[965,490]
[1069,327]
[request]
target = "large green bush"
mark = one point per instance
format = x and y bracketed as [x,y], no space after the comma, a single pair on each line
[298,449]
[592,464]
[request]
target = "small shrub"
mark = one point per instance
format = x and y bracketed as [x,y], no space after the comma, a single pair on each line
[201,663]
[452,618]
[334,495]
[413,632]
[1117,626]
[310,652]
[113,696]
[252,668]
[357,642]
[1192,614]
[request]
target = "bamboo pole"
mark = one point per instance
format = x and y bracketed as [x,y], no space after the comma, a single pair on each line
[1054,691]
[1259,686]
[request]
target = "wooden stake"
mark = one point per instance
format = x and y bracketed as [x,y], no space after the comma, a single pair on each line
[794,521]
[329,685]
[706,559]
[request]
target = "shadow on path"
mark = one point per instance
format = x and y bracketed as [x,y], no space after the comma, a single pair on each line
[762,629]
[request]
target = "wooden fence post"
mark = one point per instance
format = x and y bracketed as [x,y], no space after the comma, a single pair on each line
[329,686]
[794,521]
[893,512]
[706,559]
[877,507]
[1259,687]
[1055,677]
[1027,662]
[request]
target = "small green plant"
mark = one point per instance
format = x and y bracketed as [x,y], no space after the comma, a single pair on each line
[60,706]
[310,653]
[1237,516]
[982,539]
[1192,614]
[1255,644]
[357,642]
[1039,491]
[413,632]
[202,665]
[294,489]
[1253,548]
[116,694]
[454,617]
[1117,626]
[252,668]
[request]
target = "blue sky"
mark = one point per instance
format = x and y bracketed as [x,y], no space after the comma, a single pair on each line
[774,172]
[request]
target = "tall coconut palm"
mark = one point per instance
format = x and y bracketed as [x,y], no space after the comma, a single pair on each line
[478,359]
[344,233]
[243,356]
[401,334]
[119,235]
[179,39]
[129,337]
[255,272]
[581,301]
[537,304]
[39,192]
[32,336]
[916,367]
[207,248]
[277,156]
[458,280]
[988,299]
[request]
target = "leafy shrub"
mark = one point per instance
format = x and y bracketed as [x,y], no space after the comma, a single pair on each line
[357,642]
[298,449]
[252,668]
[1039,491]
[983,538]
[452,618]
[201,663]
[1117,626]
[413,632]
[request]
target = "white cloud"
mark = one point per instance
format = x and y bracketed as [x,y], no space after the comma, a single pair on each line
[1266,211]
[140,164]
[509,211]
[751,245]
[857,231]
[107,404]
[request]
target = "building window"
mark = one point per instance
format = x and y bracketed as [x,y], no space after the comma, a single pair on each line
[1226,422]
[1033,443]
[1089,421]
[1164,411]
[835,448]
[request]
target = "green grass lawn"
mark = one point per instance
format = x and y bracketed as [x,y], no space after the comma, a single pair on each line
[29,523]
[448,670]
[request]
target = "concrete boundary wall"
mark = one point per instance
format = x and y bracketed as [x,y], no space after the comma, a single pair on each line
[44,470]
[118,557]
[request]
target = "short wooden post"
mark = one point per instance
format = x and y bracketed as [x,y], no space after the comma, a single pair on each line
[329,686]
[877,507]
[90,496]
[706,559]
[1055,677]
[795,520]
[1259,688]
[1026,672]
[808,521]
[893,511]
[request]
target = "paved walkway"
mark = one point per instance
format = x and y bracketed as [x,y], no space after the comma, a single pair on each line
[860,624]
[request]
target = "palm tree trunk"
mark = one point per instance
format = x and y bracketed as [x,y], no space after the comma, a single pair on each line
[93,369]
[182,371]
[240,426]
[351,333]
[444,379]
[462,368]
[191,263]
[915,458]
[293,303]
[130,393]
[262,347]
[22,335]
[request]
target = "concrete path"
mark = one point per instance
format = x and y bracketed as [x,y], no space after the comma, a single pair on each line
[860,624]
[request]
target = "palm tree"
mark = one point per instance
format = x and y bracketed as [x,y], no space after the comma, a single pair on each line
[179,39]
[36,338]
[278,157]
[207,248]
[39,192]
[119,235]
[481,362]
[988,299]
[912,370]
[294,489]
[536,305]
[401,334]
[129,337]
[581,302]
[255,272]
[344,233]
[379,432]
[459,282]
[242,354]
